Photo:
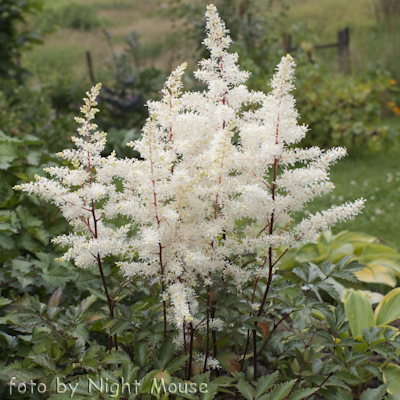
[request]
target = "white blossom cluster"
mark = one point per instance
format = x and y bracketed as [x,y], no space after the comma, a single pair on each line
[79,190]
[210,162]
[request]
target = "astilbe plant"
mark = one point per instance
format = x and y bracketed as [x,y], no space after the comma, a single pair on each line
[211,204]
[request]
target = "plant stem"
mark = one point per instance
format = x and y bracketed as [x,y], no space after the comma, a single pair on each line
[191,351]
[110,305]
[214,337]
[208,330]
[255,350]
[245,350]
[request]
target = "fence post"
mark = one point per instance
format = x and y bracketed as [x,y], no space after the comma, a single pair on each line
[90,67]
[287,39]
[343,50]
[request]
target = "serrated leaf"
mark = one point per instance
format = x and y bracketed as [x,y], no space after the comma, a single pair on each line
[265,383]
[117,357]
[348,378]
[165,353]
[302,393]
[27,375]
[175,365]
[141,353]
[120,327]
[375,394]
[33,157]
[4,301]
[99,294]
[246,389]
[44,361]
[282,390]
[12,341]
[57,275]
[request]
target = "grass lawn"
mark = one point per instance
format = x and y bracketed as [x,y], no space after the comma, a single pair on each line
[376,178]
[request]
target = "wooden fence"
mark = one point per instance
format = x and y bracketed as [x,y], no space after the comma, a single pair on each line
[343,41]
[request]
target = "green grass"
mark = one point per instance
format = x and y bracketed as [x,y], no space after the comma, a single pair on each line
[376,178]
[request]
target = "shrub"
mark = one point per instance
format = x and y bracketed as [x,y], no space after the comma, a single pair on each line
[196,297]
[12,39]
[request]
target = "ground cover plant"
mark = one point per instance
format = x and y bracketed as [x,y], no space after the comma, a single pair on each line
[187,241]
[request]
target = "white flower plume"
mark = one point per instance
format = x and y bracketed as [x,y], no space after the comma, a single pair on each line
[215,182]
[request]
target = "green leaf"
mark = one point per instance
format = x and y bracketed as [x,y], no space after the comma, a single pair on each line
[44,361]
[87,302]
[6,242]
[99,294]
[166,352]
[348,378]
[358,312]
[117,357]
[282,390]
[375,273]
[27,219]
[55,298]
[141,353]
[4,301]
[57,275]
[302,393]
[246,389]
[375,394]
[389,308]
[265,383]
[342,395]
[174,365]
[8,153]
[392,371]
[33,157]
[120,327]
[12,341]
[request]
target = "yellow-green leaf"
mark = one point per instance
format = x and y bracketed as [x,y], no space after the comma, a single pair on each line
[375,251]
[376,273]
[358,312]
[393,371]
[389,308]
[342,251]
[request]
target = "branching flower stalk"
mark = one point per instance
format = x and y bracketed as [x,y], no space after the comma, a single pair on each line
[217,183]
[78,191]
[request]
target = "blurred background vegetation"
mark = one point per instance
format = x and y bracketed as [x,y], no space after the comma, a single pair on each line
[52,51]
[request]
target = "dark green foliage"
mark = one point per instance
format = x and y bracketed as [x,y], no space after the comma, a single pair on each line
[12,39]
[342,110]
[304,346]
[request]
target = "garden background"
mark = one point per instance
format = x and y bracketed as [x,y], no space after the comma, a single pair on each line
[52,51]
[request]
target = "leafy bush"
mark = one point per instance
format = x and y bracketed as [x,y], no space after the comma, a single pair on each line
[382,263]
[186,241]
[12,39]
[342,109]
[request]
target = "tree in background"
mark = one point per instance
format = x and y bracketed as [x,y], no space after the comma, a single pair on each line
[13,40]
